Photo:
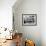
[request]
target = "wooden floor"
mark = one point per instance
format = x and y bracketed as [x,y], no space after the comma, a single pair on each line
[9,43]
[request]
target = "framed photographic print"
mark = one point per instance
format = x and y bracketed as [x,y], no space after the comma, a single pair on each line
[29,19]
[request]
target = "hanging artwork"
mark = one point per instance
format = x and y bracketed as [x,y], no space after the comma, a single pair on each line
[29,19]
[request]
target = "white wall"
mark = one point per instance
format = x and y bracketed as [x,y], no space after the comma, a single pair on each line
[28,7]
[6,13]
[43,22]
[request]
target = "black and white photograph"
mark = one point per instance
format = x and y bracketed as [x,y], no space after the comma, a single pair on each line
[29,19]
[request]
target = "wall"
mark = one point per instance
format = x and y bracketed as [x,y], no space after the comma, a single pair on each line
[6,13]
[43,22]
[28,7]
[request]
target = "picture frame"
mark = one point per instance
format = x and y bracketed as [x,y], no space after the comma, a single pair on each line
[29,19]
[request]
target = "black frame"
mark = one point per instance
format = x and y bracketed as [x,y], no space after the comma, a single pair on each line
[29,15]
